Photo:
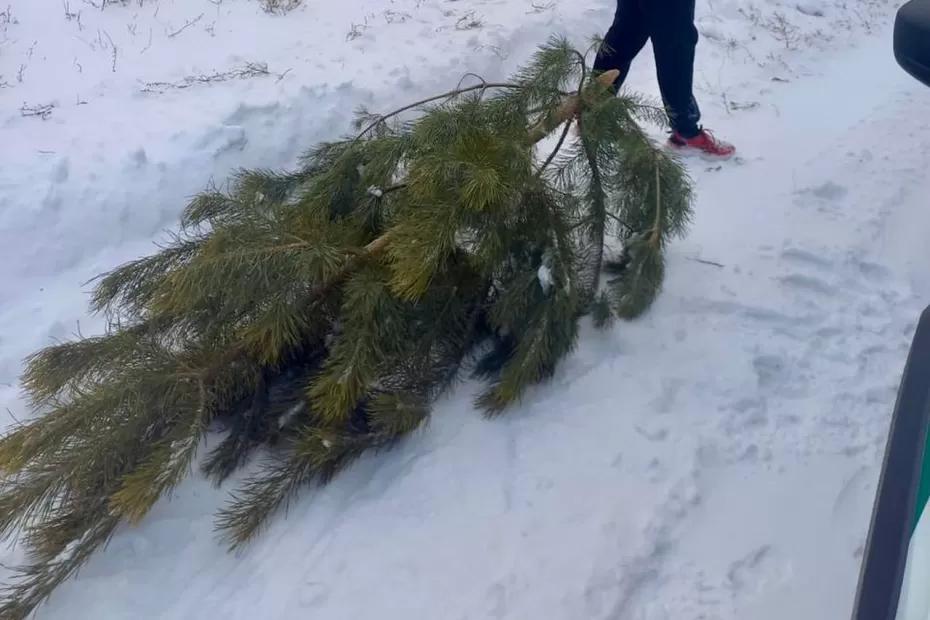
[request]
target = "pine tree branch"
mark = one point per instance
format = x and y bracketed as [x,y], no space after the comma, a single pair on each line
[558,147]
[598,211]
[394,188]
[568,124]
[447,95]
[584,66]
[656,238]
[310,312]
[617,219]
[563,114]
[571,106]
[38,579]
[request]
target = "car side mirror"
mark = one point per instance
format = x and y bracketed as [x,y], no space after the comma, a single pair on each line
[912,39]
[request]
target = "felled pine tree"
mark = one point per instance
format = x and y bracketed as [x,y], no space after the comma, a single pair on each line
[317,313]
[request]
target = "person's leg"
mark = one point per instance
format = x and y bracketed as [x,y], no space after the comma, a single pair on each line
[626,37]
[674,38]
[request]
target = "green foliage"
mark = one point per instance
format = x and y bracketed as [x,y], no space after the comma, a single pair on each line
[315,315]
[601,311]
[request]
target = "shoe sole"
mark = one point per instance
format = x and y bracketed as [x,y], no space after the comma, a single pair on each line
[695,154]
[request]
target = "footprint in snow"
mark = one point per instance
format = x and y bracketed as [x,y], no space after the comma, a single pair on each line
[733,161]
[313,594]
[808,258]
[761,569]
[658,433]
[803,283]
[770,370]
[828,191]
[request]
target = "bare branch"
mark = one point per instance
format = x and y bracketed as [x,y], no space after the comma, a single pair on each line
[279,7]
[539,7]
[707,262]
[6,17]
[396,17]
[72,16]
[186,25]
[356,31]
[250,70]
[114,51]
[147,45]
[43,111]
[783,30]
[469,21]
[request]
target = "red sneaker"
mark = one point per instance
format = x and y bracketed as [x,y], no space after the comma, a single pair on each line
[704,144]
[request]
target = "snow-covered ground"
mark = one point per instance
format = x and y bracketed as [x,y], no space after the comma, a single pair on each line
[714,460]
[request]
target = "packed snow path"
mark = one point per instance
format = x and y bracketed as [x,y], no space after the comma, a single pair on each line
[716,459]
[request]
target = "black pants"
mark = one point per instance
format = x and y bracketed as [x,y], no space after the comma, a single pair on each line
[670,25]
